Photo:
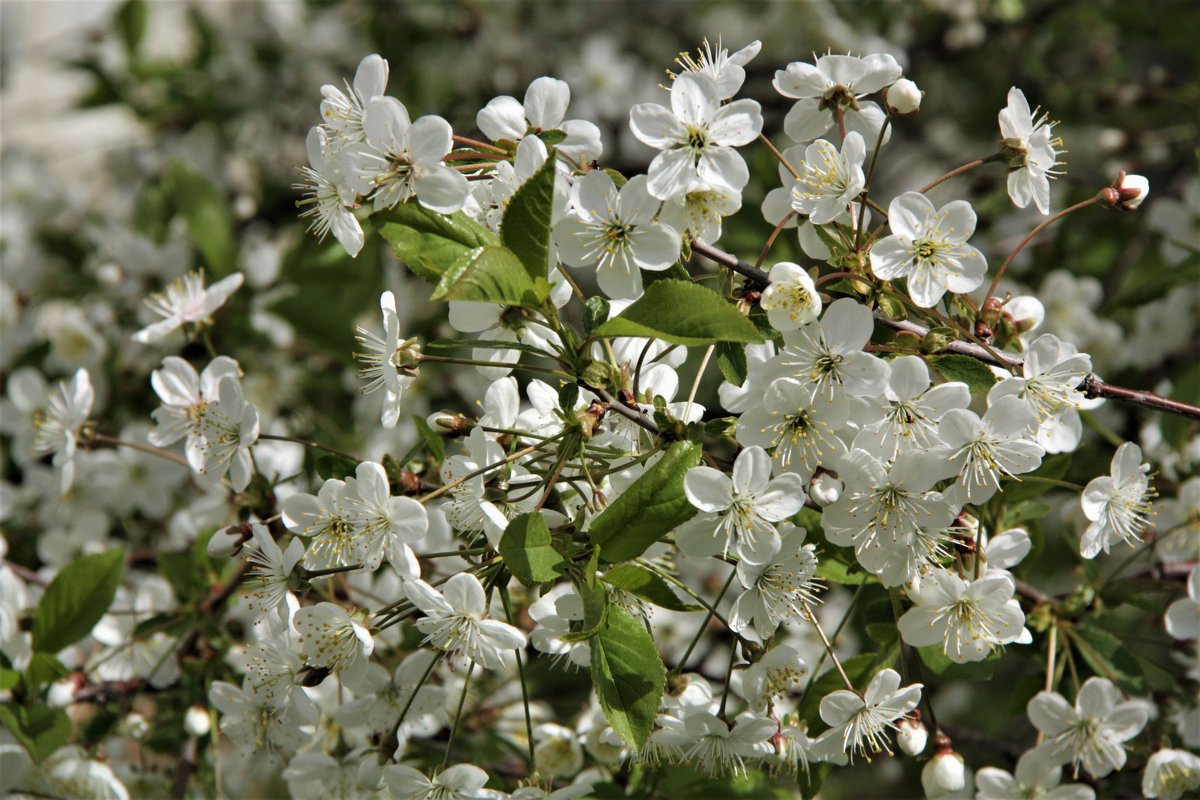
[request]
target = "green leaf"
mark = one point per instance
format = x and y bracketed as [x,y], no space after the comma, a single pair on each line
[491,274]
[628,676]
[595,312]
[429,242]
[647,585]
[939,663]
[1109,657]
[205,209]
[40,729]
[130,21]
[971,371]
[731,359]
[76,599]
[528,552]
[682,312]
[43,669]
[331,465]
[434,444]
[526,226]
[650,508]
[834,571]
[1024,487]
[9,678]
[595,610]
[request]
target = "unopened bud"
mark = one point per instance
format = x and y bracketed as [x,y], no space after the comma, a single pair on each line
[450,424]
[912,736]
[903,97]
[135,726]
[197,722]
[982,331]
[1131,190]
[226,542]
[944,774]
[824,489]
[62,693]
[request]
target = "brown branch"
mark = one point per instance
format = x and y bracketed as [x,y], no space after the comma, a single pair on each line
[637,417]
[1092,386]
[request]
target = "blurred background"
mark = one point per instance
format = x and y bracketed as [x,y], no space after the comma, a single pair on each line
[141,140]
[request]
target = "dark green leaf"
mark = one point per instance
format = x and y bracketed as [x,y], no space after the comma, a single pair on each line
[682,312]
[429,242]
[650,508]
[675,272]
[1109,658]
[331,465]
[76,599]
[205,209]
[628,676]
[568,396]
[971,371]
[595,312]
[130,21]
[731,359]
[44,669]
[40,729]
[434,444]
[1023,487]
[528,552]
[490,274]
[645,584]
[526,226]
[939,663]
[9,678]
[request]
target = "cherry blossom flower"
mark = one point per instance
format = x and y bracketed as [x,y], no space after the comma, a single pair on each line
[928,249]
[253,722]
[1171,773]
[859,724]
[725,68]
[1118,505]
[1091,733]
[719,748]
[969,619]
[829,354]
[984,450]
[909,411]
[739,510]
[454,621]
[1035,777]
[544,109]
[696,137]
[829,179]
[800,431]
[389,363]
[58,426]
[1035,152]
[404,159]
[330,639]
[791,300]
[343,110]
[328,199]
[779,590]
[776,673]
[460,782]
[1049,384]
[835,81]
[270,570]
[616,231]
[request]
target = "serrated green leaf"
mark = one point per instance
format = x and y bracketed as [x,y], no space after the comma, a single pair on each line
[650,508]
[76,599]
[527,549]
[525,229]
[682,312]
[628,676]
[205,209]
[939,663]
[40,729]
[595,610]
[429,242]
[645,584]
[491,274]
[974,373]
[1109,657]
[731,360]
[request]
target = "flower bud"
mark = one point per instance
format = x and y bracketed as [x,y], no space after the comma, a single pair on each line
[825,489]
[944,774]
[197,722]
[903,97]
[62,693]
[450,424]
[135,726]
[1133,190]
[911,736]
[227,541]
